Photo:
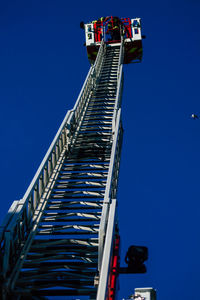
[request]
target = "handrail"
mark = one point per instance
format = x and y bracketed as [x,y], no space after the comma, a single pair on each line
[99,54]
[107,253]
[121,54]
[46,157]
[116,121]
[119,83]
[107,196]
[19,219]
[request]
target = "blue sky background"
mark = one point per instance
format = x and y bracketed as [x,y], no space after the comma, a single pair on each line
[42,67]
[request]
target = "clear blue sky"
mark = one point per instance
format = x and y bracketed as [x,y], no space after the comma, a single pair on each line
[43,64]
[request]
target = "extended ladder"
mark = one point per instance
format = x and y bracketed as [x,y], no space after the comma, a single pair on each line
[58,239]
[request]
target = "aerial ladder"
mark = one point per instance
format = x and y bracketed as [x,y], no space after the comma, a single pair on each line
[62,237]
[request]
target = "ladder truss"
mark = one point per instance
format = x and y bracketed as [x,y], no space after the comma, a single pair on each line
[58,239]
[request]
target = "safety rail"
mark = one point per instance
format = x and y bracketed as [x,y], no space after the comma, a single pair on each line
[90,82]
[115,156]
[119,83]
[107,253]
[111,186]
[21,218]
[99,59]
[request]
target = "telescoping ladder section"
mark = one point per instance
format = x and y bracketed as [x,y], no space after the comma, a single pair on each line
[57,240]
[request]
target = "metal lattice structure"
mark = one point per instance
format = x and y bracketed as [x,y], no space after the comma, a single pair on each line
[58,239]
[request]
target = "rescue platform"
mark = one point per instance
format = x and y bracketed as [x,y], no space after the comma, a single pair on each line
[112,29]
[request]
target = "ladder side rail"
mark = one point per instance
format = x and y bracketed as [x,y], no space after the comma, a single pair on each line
[116,168]
[18,220]
[119,82]
[41,172]
[118,97]
[108,190]
[121,53]
[107,253]
[84,96]
[51,156]
[73,123]
[89,83]
[23,242]
[99,60]
[31,199]
[115,126]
